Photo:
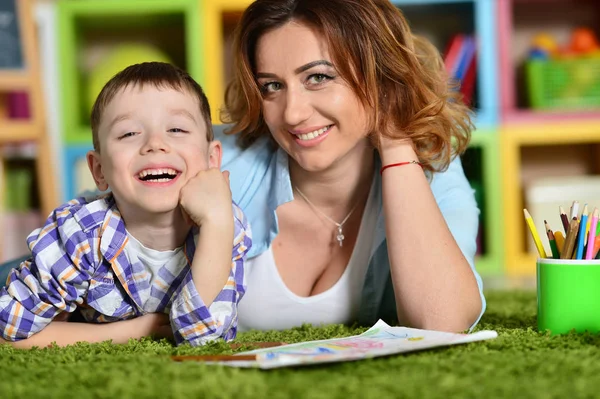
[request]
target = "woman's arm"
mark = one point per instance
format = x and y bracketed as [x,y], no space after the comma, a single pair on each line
[434,285]
[64,333]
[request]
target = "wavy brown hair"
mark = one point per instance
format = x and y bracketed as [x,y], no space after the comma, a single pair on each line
[398,76]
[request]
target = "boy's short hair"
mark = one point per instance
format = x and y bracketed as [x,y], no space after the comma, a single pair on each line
[158,74]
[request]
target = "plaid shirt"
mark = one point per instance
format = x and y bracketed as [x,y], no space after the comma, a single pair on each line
[78,261]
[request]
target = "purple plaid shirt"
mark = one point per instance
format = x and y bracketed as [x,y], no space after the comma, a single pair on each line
[78,260]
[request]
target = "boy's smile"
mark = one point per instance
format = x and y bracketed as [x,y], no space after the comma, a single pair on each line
[152,142]
[158,175]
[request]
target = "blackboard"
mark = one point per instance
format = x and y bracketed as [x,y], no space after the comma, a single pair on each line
[11,52]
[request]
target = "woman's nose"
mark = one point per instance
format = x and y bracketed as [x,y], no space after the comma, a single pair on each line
[297,107]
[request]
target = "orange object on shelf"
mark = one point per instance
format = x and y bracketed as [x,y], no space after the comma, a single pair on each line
[583,41]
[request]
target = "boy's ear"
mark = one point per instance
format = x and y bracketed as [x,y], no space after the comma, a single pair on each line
[93,161]
[215,154]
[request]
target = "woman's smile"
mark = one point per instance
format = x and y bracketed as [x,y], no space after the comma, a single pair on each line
[311,138]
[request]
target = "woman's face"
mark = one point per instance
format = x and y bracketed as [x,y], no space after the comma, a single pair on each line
[310,110]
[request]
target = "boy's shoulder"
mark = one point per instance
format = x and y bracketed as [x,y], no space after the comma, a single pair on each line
[88,212]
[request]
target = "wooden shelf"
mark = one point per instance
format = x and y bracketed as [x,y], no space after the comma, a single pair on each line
[544,117]
[549,133]
[16,80]
[17,132]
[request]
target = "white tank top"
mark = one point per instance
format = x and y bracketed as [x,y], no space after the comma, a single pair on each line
[268,304]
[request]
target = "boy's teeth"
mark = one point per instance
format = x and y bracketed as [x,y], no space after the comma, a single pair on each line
[161,171]
[313,135]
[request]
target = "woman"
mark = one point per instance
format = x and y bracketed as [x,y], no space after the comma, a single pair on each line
[343,154]
[326,95]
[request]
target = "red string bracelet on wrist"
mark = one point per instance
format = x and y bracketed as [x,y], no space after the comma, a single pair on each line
[400,164]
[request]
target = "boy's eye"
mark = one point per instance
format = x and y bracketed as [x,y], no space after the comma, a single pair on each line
[177,130]
[128,134]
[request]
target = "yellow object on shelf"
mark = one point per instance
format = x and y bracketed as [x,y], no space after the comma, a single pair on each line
[216,81]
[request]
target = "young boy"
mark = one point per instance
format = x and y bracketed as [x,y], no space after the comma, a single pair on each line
[159,243]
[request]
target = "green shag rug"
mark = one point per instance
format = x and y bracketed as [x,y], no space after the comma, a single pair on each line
[520,363]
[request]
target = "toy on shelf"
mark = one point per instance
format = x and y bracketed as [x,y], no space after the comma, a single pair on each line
[584,42]
[565,77]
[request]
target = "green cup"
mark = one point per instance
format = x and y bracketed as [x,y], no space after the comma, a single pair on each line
[568,295]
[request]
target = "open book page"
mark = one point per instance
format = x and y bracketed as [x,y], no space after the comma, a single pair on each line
[379,340]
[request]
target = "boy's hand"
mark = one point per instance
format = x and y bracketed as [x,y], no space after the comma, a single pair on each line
[155,325]
[207,197]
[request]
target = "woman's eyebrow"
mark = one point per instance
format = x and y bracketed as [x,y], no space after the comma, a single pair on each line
[298,70]
[313,64]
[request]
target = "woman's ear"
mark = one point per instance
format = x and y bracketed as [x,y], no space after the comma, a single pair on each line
[95,165]
[215,154]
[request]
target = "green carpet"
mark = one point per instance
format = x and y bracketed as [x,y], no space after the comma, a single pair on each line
[520,363]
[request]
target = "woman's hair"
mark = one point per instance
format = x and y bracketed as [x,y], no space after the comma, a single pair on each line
[398,77]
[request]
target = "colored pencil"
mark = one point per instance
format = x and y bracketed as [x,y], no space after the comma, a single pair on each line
[228,358]
[570,240]
[252,345]
[552,241]
[560,241]
[534,234]
[213,358]
[581,236]
[575,210]
[592,235]
[564,219]
[587,234]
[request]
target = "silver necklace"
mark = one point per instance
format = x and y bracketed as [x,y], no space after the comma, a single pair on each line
[340,234]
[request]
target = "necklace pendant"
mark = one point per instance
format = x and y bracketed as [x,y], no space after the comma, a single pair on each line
[340,236]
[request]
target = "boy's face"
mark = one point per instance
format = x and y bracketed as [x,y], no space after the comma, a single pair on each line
[152,141]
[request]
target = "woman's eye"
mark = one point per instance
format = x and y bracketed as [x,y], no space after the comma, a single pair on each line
[177,130]
[271,87]
[318,78]
[128,134]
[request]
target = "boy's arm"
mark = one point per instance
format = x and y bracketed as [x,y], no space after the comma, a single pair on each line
[218,282]
[212,258]
[63,333]
[52,281]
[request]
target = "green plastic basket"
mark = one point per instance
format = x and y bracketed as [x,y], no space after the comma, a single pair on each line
[566,84]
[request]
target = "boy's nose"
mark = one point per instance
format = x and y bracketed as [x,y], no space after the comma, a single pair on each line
[155,143]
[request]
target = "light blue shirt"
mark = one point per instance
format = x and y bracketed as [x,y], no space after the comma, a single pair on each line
[260,182]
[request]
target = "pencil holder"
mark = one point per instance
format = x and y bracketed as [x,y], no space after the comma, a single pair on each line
[568,295]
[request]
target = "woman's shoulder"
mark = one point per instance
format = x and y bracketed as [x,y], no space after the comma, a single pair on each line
[235,155]
[247,166]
